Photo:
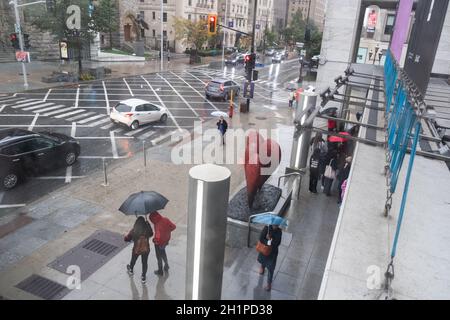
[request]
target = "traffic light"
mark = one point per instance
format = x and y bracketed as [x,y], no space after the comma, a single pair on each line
[250,61]
[14,40]
[212,24]
[26,41]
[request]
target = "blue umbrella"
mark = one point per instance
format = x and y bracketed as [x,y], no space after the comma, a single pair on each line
[270,218]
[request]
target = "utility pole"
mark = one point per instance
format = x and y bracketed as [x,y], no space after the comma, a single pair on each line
[19,31]
[250,70]
[223,40]
[162,35]
[306,39]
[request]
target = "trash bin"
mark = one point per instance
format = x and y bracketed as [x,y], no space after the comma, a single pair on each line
[243,107]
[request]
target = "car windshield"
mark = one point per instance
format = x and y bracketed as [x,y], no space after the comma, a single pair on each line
[123,107]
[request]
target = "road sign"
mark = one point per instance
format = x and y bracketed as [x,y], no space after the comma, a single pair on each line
[249,89]
[22,56]
[303,52]
[17,28]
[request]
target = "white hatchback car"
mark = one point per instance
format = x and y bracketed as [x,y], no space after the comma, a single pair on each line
[134,112]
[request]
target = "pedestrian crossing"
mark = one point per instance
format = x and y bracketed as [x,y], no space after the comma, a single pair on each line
[213,73]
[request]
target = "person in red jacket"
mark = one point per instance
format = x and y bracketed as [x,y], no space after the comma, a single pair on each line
[163,228]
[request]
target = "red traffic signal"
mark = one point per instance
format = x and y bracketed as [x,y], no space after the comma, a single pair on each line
[212,24]
[14,40]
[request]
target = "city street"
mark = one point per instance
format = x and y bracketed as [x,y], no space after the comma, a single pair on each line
[82,111]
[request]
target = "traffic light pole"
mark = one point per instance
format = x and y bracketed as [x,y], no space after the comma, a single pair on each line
[250,70]
[19,31]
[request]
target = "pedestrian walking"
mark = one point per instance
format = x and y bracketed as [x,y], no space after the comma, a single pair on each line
[163,229]
[222,126]
[291,99]
[314,170]
[342,176]
[318,143]
[330,173]
[140,235]
[270,236]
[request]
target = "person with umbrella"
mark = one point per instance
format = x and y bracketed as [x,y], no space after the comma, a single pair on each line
[163,228]
[222,126]
[270,236]
[141,203]
[140,235]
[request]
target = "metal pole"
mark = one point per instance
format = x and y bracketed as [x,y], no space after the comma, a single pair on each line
[105,177]
[209,189]
[250,70]
[145,155]
[19,27]
[223,40]
[162,35]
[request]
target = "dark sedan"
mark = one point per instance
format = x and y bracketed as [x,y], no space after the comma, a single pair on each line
[23,152]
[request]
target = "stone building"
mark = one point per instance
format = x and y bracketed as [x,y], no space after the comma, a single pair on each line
[236,17]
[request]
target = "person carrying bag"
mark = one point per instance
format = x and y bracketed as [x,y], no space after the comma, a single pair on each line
[267,246]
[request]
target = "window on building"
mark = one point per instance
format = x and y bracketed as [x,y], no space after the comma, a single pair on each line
[164,33]
[141,14]
[164,16]
[190,2]
[164,1]
[389,24]
[189,16]
[154,33]
[153,15]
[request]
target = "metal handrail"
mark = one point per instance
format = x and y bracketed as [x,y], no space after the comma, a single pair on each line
[289,174]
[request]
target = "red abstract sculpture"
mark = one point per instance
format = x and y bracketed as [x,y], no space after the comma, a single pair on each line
[257,149]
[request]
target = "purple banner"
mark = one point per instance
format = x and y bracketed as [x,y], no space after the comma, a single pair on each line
[401,27]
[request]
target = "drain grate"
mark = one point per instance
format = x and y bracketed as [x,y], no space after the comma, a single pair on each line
[100,247]
[91,254]
[43,288]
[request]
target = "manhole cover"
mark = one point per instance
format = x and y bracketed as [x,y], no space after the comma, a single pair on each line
[261,118]
[43,288]
[91,254]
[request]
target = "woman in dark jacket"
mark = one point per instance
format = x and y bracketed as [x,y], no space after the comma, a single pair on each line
[140,235]
[314,164]
[271,236]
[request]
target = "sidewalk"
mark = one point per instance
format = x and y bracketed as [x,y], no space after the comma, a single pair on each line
[63,219]
[11,78]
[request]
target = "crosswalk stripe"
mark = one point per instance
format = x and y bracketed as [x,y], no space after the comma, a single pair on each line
[146,135]
[11,99]
[108,126]
[69,113]
[57,111]
[133,132]
[48,109]
[90,119]
[21,105]
[80,116]
[39,106]
[99,122]
[118,130]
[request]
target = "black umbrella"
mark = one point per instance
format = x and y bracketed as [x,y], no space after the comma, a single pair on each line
[143,202]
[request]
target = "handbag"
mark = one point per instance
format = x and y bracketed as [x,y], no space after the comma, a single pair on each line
[329,172]
[263,249]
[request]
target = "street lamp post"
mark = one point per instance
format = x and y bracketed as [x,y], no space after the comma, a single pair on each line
[250,70]
[162,35]
[223,39]
[19,31]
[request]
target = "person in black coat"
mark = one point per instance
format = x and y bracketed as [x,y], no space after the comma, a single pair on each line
[314,162]
[140,235]
[343,175]
[270,235]
[222,126]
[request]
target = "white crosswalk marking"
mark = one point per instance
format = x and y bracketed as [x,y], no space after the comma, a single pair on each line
[80,116]
[69,113]
[48,109]
[146,135]
[11,100]
[90,119]
[118,130]
[99,122]
[29,103]
[57,111]
[39,106]
[108,126]
[133,132]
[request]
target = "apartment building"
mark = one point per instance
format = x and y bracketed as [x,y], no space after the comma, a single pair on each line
[234,14]
[264,18]
[316,9]
[280,14]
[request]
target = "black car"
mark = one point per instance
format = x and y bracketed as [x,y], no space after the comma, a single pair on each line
[23,152]
[235,59]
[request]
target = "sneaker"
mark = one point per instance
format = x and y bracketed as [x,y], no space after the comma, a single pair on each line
[268,287]
[130,271]
[143,280]
[159,272]
[166,267]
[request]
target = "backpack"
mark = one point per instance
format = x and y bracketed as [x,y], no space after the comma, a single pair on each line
[141,246]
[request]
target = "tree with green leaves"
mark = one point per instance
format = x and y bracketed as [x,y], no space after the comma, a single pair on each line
[295,32]
[191,33]
[104,17]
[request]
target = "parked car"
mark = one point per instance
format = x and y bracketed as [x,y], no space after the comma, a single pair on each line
[135,112]
[277,58]
[24,152]
[235,59]
[221,88]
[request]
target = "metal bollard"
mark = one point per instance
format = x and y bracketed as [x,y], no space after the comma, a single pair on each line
[145,155]
[105,183]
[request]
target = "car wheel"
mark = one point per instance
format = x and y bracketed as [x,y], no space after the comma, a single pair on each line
[163,118]
[10,180]
[134,125]
[70,158]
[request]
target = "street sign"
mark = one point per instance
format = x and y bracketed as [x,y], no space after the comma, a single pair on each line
[22,56]
[249,89]
[17,28]
[63,50]
[230,24]
[299,44]
[303,52]
[257,27]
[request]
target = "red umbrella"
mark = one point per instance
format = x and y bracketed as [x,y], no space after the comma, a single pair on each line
[339,139]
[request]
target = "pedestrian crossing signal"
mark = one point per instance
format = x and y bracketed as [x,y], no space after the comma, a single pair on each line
[212,24]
